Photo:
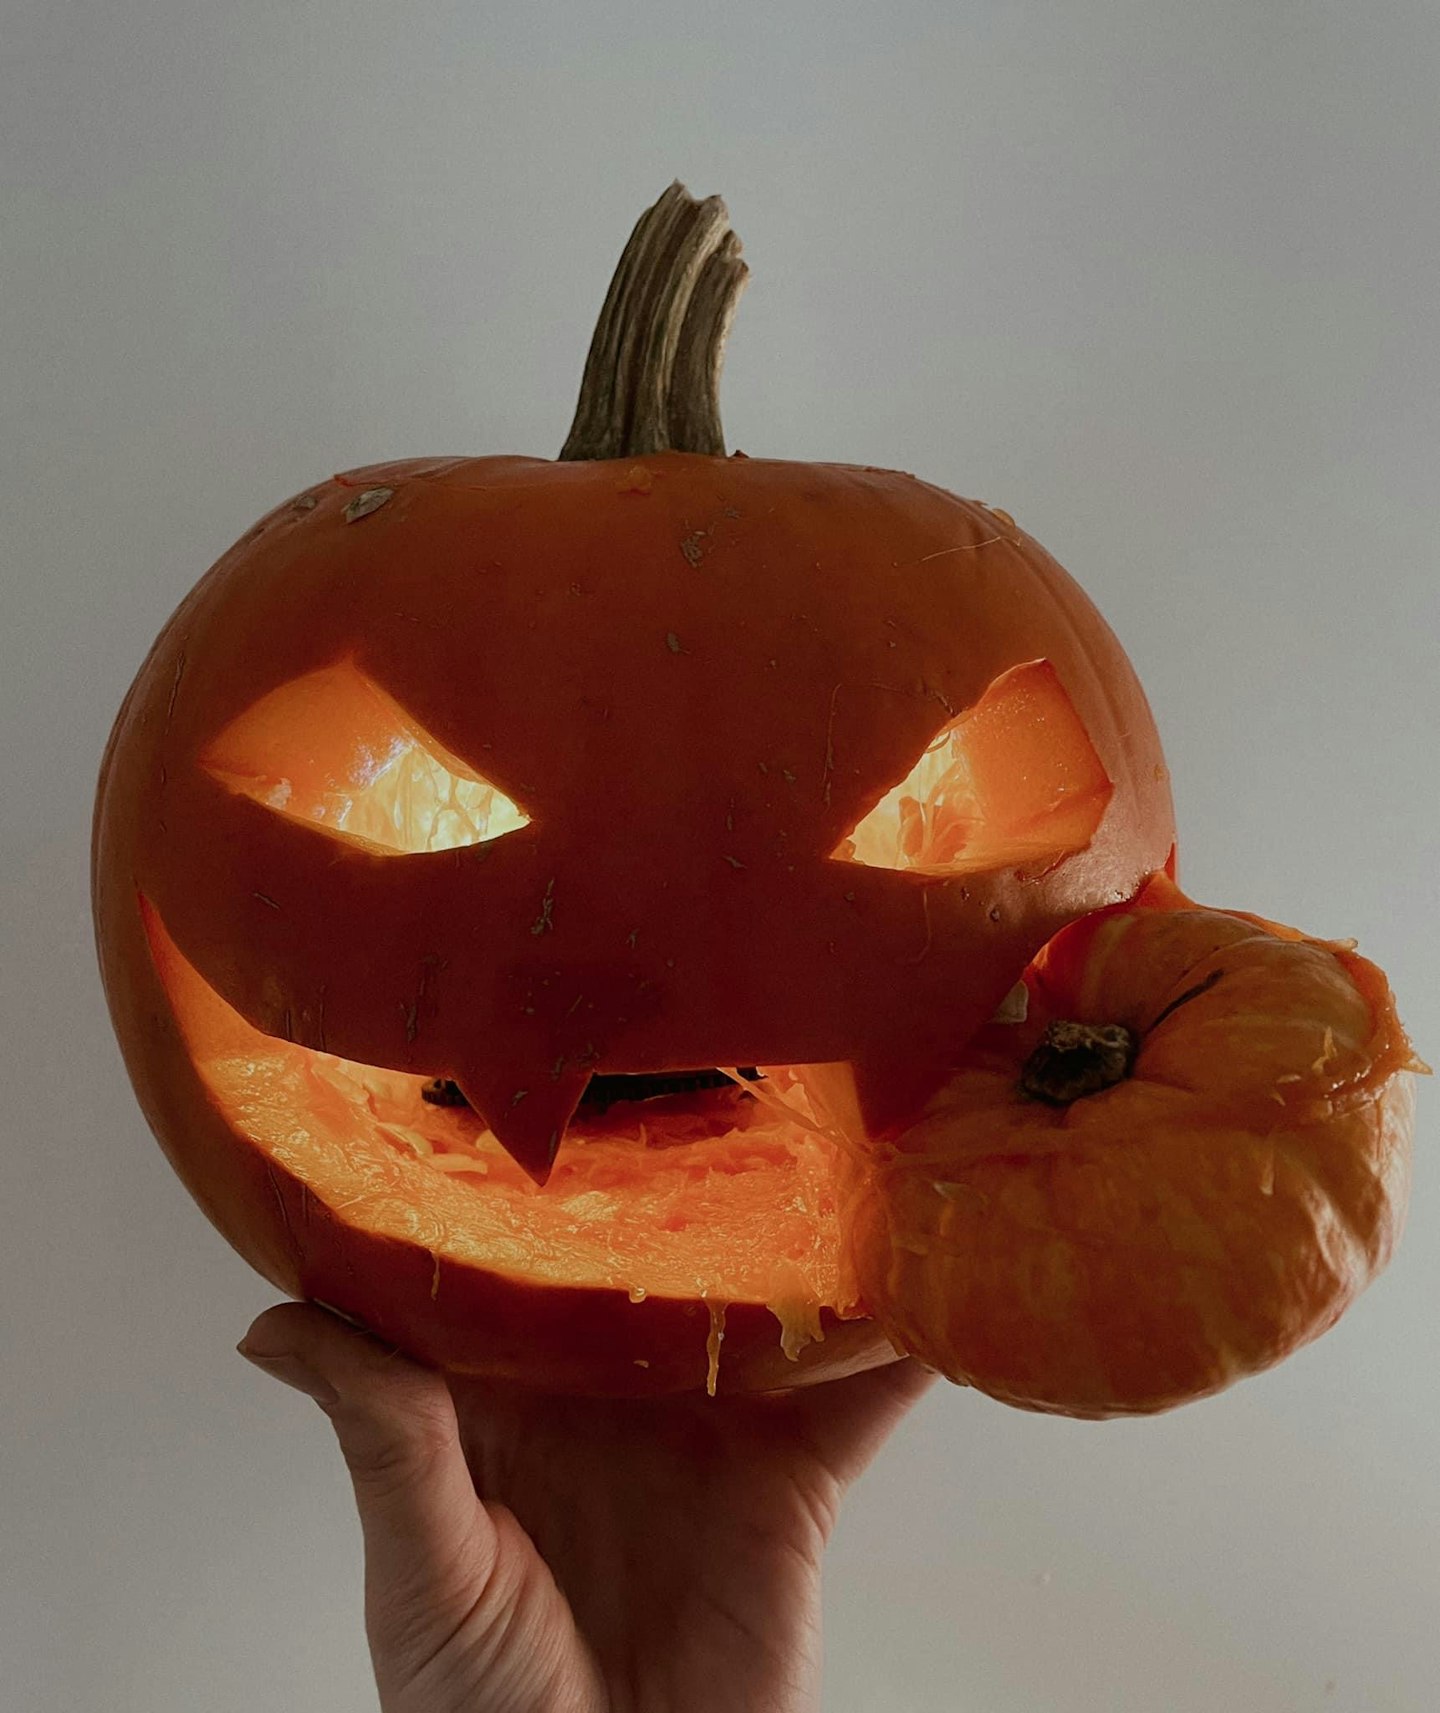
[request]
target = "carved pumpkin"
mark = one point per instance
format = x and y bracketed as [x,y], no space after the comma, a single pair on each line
[566,915]
[489,844]
[1184,1163]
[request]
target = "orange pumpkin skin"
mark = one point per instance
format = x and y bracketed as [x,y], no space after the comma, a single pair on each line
[1152,1242]
[695,674]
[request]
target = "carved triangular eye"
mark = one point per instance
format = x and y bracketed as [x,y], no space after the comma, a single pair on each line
[1014,779]
[332,747]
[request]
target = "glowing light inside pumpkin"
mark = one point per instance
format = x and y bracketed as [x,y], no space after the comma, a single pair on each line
[416,803]
[729,1198]
[1013,779]
[331,746]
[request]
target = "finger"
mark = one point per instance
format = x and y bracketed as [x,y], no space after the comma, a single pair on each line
[849,1420]
[428,1541]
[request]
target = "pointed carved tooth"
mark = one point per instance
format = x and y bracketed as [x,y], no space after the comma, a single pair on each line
[892,1086]
[526,1107]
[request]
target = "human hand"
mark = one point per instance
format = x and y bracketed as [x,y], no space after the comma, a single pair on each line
[535,1554]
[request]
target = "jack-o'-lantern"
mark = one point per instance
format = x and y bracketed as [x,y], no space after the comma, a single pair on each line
[525,887]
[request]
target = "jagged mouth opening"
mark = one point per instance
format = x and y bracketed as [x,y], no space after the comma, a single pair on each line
[717,1183]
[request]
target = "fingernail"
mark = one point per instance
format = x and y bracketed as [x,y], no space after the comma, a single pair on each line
[294,1373]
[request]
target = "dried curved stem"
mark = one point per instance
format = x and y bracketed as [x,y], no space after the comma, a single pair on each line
[1076,1059]
[652,375]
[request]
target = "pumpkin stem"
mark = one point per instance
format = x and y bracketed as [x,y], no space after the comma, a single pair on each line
[652,376]
[1076,1059]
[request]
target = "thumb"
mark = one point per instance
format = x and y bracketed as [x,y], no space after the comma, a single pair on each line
[849,1420]
[429,1544]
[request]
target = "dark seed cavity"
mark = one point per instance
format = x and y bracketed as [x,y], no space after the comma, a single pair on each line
[607,1090]
[440,1091]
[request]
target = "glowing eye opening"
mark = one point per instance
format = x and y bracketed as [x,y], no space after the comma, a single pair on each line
[1014,779]
[332,747]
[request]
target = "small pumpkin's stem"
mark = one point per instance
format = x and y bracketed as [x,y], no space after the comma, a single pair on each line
[652,376]
[1076,1059]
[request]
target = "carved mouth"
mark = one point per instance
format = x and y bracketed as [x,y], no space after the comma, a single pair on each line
[670,1184]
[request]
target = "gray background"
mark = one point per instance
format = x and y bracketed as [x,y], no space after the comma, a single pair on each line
[1160,278]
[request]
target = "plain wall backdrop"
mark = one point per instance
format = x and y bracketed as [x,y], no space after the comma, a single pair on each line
[1160,279]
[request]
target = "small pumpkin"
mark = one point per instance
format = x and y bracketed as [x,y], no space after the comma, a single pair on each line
[1182,1165]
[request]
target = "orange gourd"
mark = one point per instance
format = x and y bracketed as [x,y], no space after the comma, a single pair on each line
[1183,1164]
